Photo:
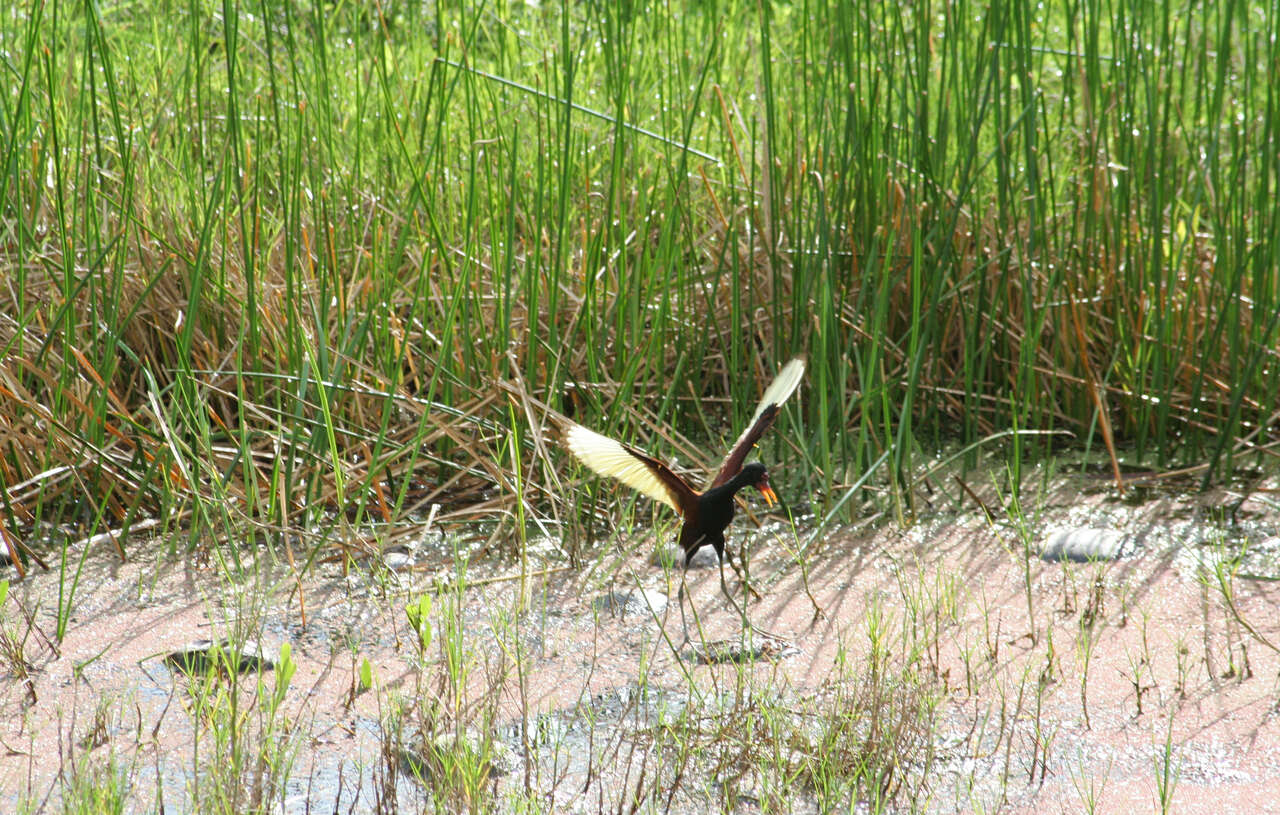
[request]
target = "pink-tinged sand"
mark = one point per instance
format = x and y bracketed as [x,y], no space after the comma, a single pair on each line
[1161,630]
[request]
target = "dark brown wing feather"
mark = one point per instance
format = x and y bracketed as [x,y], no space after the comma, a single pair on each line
[738,455]
[782,386]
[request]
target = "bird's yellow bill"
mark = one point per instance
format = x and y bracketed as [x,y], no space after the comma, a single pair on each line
[770,497]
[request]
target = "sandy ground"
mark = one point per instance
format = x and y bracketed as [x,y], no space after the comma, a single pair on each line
[1068,685]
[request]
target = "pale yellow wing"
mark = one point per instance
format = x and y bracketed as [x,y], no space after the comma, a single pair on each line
[630,466]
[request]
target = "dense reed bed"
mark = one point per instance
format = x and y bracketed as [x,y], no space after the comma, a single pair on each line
[259,262]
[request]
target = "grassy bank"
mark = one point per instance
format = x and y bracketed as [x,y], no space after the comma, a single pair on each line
[260,261]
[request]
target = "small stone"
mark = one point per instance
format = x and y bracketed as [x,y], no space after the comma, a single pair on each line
[397,561]
[666,556]
[1084,545]
[199,656]
[704,558]
[669,556]
[427,760]
[631,601]
[737,651]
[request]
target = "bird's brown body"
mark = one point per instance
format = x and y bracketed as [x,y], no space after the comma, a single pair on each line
[707,513]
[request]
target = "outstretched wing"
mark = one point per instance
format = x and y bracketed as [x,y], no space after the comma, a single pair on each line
[782,386]
[630,466]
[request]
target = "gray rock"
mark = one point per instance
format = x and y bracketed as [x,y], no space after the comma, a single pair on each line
[199,656]
[621,602]
[704,558]
[397,561]
[737,651]
[1084,545]
[432,758]
[669,556]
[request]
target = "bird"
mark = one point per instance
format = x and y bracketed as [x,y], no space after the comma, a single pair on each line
[706,513]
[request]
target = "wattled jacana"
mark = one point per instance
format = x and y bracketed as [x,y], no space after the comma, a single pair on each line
[706,514]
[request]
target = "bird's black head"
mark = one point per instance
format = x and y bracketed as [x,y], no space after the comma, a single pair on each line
[756,475]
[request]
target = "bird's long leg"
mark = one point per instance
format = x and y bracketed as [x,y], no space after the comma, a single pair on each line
[697,621]
[684,625]
[742,612]
[741,576]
